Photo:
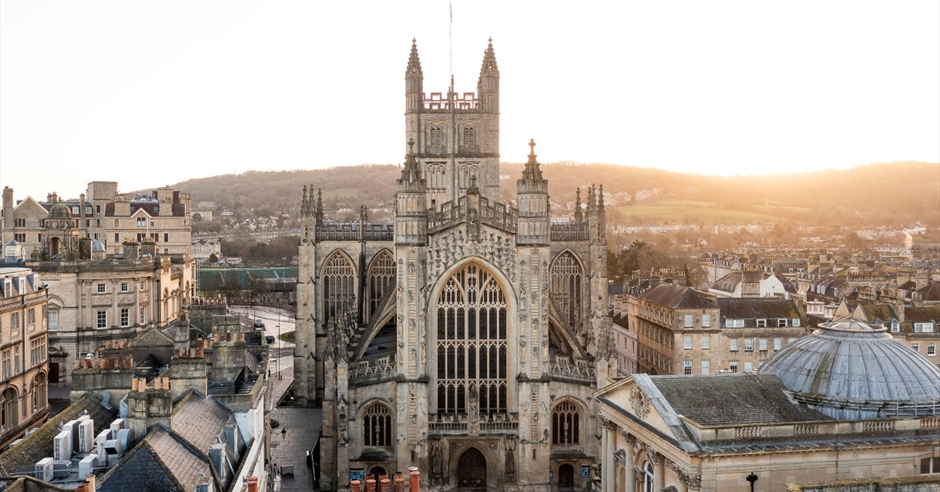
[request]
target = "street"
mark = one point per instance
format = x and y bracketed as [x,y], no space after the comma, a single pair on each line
[277,321]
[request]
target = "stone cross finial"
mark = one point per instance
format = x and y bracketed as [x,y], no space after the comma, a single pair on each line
[532,145]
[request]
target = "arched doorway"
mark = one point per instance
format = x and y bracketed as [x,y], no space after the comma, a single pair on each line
[565,478]
[471,471]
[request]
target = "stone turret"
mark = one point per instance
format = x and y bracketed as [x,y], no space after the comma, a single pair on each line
[532,192]
[488,84]
[411,217]
[414,81]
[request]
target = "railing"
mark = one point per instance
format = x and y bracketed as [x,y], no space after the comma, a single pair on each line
[350,231]
[569,231]
[498,215]
[384,367]
[459,424]
[581,370]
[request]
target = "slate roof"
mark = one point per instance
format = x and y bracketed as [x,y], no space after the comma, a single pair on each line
[38,445]
[728,282]
[923,314]
[199,420]
[757,308]
[756,398]
[931,292]
[166,462]
[677,297]
[877,313]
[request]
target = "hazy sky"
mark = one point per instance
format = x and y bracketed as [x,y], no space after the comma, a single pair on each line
[153,93]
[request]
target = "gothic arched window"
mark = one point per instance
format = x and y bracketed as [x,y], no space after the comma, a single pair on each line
[566,423]
[381,278]
[377,426]
[339,286]
[471,344]
[566,288]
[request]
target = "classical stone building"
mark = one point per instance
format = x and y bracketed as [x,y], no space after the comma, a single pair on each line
[161,216]
[683,331]
[23,353]
[466,337]
[846,408]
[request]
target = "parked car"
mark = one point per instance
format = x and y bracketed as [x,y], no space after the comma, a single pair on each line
[259,323]
[269,339]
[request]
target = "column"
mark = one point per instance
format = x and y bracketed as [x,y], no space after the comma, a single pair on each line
[603,457]
[607,469]
[658,471]
[628,456]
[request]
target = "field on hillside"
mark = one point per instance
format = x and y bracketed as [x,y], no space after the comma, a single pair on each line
[692,212]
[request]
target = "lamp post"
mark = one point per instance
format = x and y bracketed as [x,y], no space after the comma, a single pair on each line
[752,478]
[278,343]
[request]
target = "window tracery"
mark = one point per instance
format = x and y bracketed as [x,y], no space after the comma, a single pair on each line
[339,286]
[567,278]
[566,423]
[381,278]
[377,426]
[471,344]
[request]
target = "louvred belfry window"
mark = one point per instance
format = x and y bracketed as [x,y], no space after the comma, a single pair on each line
[471,343]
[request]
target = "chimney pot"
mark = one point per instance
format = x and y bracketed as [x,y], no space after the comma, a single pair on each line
[414,477]
[385,484]
[399,482]
[354,486]
[370,485]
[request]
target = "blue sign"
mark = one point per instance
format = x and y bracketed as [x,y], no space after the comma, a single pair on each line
[355,474]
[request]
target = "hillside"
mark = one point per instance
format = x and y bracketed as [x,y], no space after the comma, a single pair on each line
[874,194]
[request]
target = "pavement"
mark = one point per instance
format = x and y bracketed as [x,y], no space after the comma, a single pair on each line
[290,441]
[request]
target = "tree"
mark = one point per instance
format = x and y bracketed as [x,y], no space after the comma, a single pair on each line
[213,258]
[257,287]
[641,256]
[231,286]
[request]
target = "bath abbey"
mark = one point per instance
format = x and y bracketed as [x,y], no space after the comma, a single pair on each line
[466,337]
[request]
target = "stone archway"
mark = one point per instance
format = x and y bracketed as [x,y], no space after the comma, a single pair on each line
[471,471]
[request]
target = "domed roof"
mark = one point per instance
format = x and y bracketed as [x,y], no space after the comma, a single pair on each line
[60,211]
[848,370]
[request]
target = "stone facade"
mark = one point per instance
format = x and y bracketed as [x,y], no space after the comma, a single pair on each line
[106,216]
[683,331]
[24,364]
[92,302]
[466,337]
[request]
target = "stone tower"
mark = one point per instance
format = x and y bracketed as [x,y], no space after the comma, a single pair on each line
[464,338]
[456,136]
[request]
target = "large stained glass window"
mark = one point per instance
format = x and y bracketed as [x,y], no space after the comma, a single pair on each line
[471,344]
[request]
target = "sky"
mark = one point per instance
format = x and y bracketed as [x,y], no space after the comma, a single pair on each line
[154,93]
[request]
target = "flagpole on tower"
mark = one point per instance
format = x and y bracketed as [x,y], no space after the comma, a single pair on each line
[450,44]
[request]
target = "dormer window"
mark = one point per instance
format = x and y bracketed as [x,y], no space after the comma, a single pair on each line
[895,327]
[923,327]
